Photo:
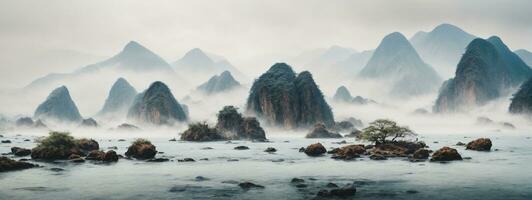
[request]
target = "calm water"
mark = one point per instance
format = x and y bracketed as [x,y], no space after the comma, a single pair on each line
[501,174]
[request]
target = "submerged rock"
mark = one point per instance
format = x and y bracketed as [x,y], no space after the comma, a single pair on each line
[315,150]
[58,106]
[7,164]
[241,148]
[481,144]
[201,132]
[446,154]
[157,105]
[249,185]
[141,149]
[282,99]
[320,131]
[17,151]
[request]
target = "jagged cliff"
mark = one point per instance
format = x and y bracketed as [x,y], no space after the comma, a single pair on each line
[58,106]
[120,98]
[283,99]
[156,105]
[485,71]
[522,100]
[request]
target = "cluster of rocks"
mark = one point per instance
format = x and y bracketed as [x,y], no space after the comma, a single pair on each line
[7,164]
[231,125]
[413,151]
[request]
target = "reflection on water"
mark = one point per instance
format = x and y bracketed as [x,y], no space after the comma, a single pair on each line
[500,174]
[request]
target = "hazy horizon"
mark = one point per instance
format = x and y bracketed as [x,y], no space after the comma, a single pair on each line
[38,38]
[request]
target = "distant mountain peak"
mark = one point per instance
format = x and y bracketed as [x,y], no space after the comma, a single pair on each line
[197,54]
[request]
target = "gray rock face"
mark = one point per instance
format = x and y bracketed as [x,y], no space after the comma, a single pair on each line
[397,61]
[156,105]
[282,99]
[487,69]
[442,47]
[120,98]
[58,106]
[219,83]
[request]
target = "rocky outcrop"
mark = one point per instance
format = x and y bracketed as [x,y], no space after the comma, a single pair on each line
[235,127]
[282,99]
[90,122]
[315,150]
[396,61]
[7,164]
[58,106]
[481,144]
[349,152]
[120,98]
[127,127]
[17,151]
[522,99]
[109,156]
[421,154]
[446,154]
[141,149]
[320,131]
[201,132]
[86,145]
[219,83]
[57,146]
[487,69]
[157,106]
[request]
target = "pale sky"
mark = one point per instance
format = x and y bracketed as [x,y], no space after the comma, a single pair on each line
[39,37]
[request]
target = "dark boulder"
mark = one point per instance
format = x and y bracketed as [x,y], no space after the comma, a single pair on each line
[446,154]
[7,164]
[343,192]
[241,148]
[315,150]
[320,131]
[421,154]
[128,127]
[349,152]
[17,151]
[270,150]
[249,185]
[141,149]
[481,144]
[87,145]
[95,155]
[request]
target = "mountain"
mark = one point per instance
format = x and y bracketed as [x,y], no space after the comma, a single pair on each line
[342,95]
[442,47]
[120,98]
[58,106]
[133,58]
[156,105]
[200,63]
[354,63]
[283,99]
[397,61]
[332,55]
[525,55]
[522,100]
[485,72]
[219,83]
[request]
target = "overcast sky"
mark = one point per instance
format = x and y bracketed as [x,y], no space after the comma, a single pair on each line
[39,37]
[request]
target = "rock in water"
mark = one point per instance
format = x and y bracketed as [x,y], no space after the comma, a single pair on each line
[446,154]
[201,132]
[235,127]
[7,164]
[219,83]
[320,131]
[487,69]
[58,106]
[141,149]
[481,144]
[120,98]
[283,99]
[315,150]
[395,60]
[17,151]
[157,106]
[24,122]
[522,100]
